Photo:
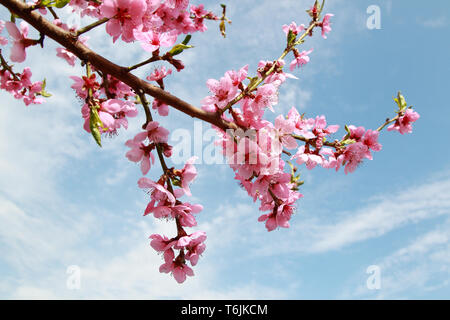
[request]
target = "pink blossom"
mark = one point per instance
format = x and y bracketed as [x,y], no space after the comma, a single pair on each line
[326,25]
[20,40]
[404,123]
[332,161]
[105,112]
[311,160]
[152,40]
[83,84]
[159,74]
[371,140]
[237,77]
[194,245]
[354,155]
[140,153]
[185,213]
[117,89]
[112,113]
[178,269]
[294,28]
[127,110]
[302,126]
[301,58]
[281,214]
[248,159]
[67,55]
[223,91]
[125,16]
[161,243]
[285,129]
[156,133]
[199,14]
[188,174]
[198,11]
[177,4]
[356,133]
[158,194]
[321,130]
[279,76]
[161,107]
[253,107]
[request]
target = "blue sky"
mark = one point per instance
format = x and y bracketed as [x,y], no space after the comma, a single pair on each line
[64,201]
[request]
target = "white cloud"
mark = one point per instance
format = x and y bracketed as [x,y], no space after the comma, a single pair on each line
[32,293]
[380,216]
[420,267]
[293,95]
[132,274]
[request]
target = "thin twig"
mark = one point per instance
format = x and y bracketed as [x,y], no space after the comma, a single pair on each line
[55,16]
[6,66]
[143,63]
[91,26]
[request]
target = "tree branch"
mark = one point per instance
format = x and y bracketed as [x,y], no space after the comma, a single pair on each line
[71,43]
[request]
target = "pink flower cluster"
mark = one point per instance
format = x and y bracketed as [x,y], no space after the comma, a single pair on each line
[190,248]
[253,104]
[21,87]
[316,131]
[257,159]
[85,8]
[113,114]
[404,122]
[158,76]
[353,155]
[112,102]
[165,204]
[140,152]
[155,23]
[256,154]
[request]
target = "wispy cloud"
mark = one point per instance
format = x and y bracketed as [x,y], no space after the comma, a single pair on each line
[381,215]
[421,267]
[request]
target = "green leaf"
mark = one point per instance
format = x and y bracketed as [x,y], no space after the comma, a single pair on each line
[44,93]
[97,135]
[94,124]
[347,141]
[179,48]
[186,39]
[46,3]
[252,82]
[401,102]
[222,28]
[290,37]
[61,3]
[176,182]
[347,129]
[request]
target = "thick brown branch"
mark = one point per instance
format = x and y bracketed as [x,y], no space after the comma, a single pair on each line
[71,43]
